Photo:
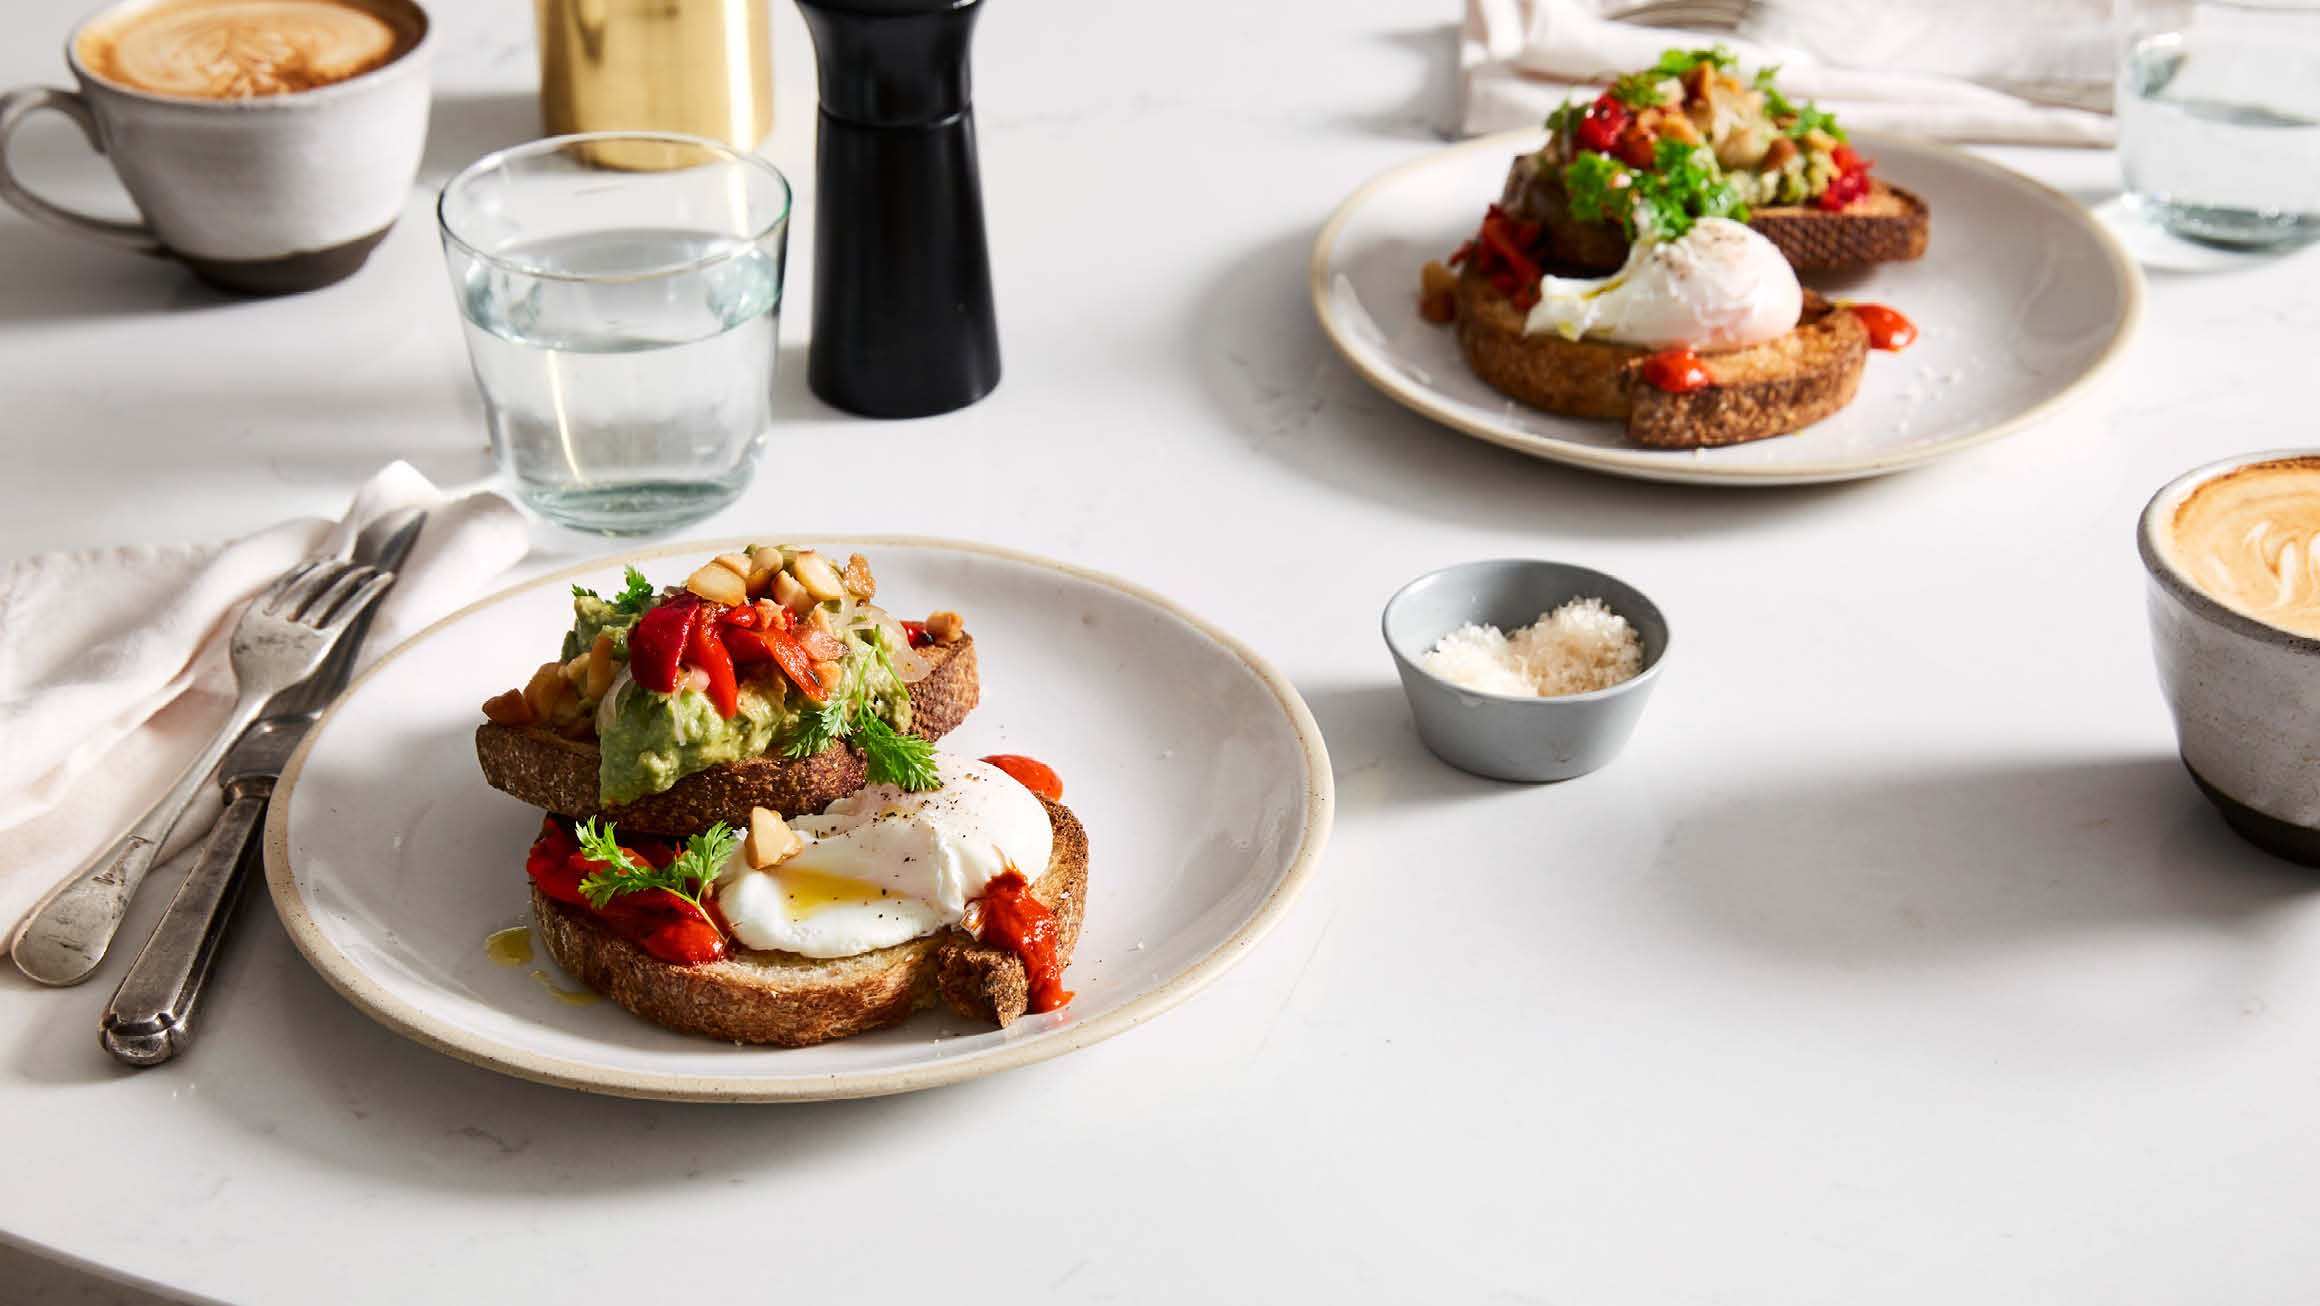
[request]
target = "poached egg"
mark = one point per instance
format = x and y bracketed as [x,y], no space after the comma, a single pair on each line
[1718,286]
[884,866]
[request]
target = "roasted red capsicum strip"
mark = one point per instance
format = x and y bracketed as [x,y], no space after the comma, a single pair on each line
[657,645]
[706,652]
[796,664]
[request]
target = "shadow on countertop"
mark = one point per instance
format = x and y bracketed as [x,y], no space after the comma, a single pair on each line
[1912,865]
[1430,111]
[462,128]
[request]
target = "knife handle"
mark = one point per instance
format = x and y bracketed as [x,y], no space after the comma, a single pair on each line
[148,1020]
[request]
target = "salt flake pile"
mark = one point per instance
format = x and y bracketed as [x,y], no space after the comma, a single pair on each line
[1580,647]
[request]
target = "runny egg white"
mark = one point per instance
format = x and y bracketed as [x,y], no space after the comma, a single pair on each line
[1718,286]
[884,866]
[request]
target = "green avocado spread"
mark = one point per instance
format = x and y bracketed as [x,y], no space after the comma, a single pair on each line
[591,614]
[653,739]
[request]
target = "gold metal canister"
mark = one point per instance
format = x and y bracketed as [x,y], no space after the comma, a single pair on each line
[699,66]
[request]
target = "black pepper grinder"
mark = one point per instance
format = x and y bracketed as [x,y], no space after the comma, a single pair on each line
[903,320]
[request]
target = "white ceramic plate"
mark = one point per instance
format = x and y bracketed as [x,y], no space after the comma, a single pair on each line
[1197,770]
[2022,298]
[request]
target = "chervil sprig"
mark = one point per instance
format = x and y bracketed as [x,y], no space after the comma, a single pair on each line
[688,877]
[894,758]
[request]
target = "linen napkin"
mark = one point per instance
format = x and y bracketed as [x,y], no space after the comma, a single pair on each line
[114,668]
[1963,70]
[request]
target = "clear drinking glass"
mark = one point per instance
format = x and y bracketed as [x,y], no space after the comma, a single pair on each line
[2219,117]
[622,298]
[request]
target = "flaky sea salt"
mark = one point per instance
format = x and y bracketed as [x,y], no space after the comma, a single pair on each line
[1580,647]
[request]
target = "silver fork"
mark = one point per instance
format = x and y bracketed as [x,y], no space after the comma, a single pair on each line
[282,637]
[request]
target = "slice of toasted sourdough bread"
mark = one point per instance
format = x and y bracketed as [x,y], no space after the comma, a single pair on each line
[1758,391]
[559,775]
[781,997]
[1886,225]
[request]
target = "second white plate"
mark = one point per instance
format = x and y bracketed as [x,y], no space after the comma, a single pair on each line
[1197,770]
[2022,299]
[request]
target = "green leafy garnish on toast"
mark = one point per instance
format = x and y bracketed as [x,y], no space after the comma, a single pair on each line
[636,596]
[688,877]
[1682,186]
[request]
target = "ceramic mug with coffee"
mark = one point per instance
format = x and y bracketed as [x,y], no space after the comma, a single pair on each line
[2235,625]
[267,144]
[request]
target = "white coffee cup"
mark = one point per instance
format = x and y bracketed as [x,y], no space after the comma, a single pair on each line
[2244,689]
[264,194]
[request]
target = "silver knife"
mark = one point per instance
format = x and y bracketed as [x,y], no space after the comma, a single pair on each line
[149,1019]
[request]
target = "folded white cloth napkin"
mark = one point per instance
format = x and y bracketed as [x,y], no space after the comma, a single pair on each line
[113,666]
[1961,70]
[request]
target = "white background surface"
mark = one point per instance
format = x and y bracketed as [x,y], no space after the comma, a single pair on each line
[1896,960]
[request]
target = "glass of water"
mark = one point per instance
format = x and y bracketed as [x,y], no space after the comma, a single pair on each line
[622,298]
[2219,117]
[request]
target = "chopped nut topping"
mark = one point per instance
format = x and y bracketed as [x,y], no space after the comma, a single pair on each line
[770,840]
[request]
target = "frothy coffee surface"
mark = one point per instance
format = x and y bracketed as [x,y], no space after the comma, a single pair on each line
[2248,537]
[240,49]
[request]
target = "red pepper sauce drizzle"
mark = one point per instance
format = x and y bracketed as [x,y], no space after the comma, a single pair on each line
[1016,921]
[1031,773]
[1012,918]
[666,926]
[1887,328]
[1677,371]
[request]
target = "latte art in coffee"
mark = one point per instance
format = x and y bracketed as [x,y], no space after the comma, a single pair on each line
[2249,539]
[240,49]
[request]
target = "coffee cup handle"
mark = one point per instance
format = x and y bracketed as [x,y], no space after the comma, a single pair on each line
[22,103]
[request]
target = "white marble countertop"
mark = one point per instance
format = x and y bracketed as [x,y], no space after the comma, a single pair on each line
[1896,960]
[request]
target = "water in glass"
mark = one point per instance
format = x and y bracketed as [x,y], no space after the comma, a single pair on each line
[625,397]
[2220,140]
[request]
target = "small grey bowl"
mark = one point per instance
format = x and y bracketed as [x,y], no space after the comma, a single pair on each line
[1499,735]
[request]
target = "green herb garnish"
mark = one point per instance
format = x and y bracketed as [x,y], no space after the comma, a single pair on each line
[1800,120]
[819,726]
[688,877]
[1641,90]
[1682,186]
[894,758]
[1675,63]
[633,598]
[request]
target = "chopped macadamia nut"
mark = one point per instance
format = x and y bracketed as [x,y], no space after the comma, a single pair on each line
[770,840]
[789,594]
[718,585]
[945,627]
[815,573]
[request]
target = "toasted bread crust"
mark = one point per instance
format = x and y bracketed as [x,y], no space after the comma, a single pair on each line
[1757,391]
[560,775]
[782,998]
[1888,225]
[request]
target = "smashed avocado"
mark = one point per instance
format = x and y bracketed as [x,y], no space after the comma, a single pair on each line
[591,614]
[653,739]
